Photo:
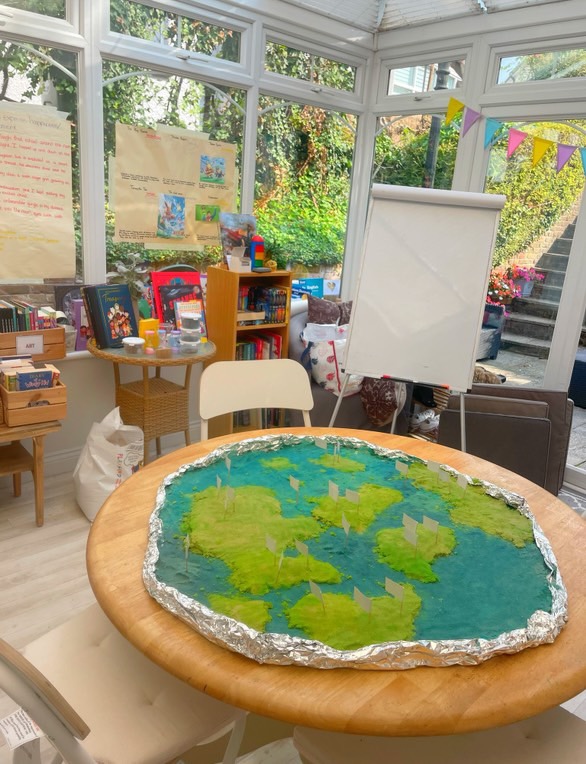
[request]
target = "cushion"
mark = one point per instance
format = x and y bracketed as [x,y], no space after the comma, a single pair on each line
[325,350]
[327,312]
[380,398]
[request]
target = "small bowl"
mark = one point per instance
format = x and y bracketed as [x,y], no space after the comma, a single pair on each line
[133,345]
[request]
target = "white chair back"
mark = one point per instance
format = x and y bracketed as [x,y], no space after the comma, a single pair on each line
[228,386]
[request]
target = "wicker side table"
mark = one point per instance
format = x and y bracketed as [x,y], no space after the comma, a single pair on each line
[156,405]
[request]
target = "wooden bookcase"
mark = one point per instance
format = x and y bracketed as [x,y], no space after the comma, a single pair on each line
[223,289]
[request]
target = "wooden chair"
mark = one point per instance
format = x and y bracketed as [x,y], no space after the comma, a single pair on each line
[554,736]
[228,386]
[137,713]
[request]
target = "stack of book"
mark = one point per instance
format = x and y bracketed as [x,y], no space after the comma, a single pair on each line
[21,316]
[18,373]
[258,346]
[110,313]
[271,301]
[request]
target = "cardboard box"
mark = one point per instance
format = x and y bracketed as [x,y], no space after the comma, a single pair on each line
[34,406]
[43,344]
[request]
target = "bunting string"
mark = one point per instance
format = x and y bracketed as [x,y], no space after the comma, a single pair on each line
[494,130]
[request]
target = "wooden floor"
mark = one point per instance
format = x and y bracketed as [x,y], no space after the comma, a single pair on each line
[43,582]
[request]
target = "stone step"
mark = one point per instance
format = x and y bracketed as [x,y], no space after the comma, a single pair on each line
[551,278]
[533,306]
[552,261]
[561,246]
[525,345]
[526,326]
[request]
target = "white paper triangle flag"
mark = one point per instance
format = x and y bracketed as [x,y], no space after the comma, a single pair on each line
[410,534]
[316,591]
[218,482]
[228,463]
[230,495]
[352,496]
[402,467]
[294,483]
[345,524]
[271,544]
[302,548]
[430,524]
[362,600]
[321,443]
[462,482]
[394,589]
[186,545]
[409,522]
[433,466]
[443,475]
[333,490]
[281,560]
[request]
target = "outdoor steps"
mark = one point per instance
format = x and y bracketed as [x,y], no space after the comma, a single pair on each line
[530,327]
[525,345]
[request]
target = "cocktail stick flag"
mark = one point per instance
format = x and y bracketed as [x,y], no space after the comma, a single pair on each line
[454,107]
[564,153]
[228,463]
[431,525]
[218,482]
[516,138]
[333,490]
[321,443]
[462,482]
[294,483]
[271,544]
[316,591]
[444,475]
[409,522]
[279,566]
[186,550]
[345,525]
[394,589]
[302,548]
[402,467]
[540,146]
[433,466]
[491,128]
[410,534]
[362,600]
[352,496]
[470,117]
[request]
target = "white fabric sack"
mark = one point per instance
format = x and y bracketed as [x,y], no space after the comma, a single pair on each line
[112,452]
[326,347]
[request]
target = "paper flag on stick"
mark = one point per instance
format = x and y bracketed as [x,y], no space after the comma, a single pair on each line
[316,591]
[409,522]
[470,117]
[218,482]
[362,600]
[454,107]
[516,138]
[491,127]
[345,524]
[583,155]
[540,146]
[281,558]
[302,548]
[462,482]
[321,443]
[228,463]
[352,496]
[230,495]
[430,524]
[402,467]
[333,490]
[394,589]
[410,534]
[271,544]
[433,466]
[564,153]
[443,475]
[294,483]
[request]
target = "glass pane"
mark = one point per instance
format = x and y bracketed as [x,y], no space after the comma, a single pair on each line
[304,161]
[54,8]
[548,65]
[418,151]
[532,246]
[447,75]
[157,25]
[40,75]
[135,96]
[302,65]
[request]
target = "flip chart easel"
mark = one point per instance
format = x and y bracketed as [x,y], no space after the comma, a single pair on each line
[419,301]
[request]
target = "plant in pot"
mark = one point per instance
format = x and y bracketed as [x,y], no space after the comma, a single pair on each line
[501,288]
[524,278]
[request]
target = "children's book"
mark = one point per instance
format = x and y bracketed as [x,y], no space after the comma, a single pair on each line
[236,230]
[190,306]
[80,321]
[112,314]
[175,298]
[161,279]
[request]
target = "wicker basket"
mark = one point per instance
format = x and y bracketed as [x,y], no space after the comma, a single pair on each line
[165,410]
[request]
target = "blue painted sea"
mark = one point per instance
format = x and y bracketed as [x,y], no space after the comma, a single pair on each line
[486,586]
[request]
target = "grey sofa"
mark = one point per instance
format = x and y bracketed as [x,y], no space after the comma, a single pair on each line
[351,413]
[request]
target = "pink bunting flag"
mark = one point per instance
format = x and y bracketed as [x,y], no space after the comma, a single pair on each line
[470,117]
[564,153]
[516,138]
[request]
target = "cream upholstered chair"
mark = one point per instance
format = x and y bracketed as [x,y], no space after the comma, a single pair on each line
[228,386]
[130,710]
[553,736]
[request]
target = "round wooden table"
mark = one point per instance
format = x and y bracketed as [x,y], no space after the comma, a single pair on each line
[420,701]
[156,405]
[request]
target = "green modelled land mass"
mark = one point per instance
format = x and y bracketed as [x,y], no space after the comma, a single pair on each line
[374,499]
[278,463]
[341,623]
[236,534]
[254,613]
[475,508]
[340,463]
[394,550]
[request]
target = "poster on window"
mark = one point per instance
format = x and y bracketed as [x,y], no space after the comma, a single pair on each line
[171,186]
[36,214]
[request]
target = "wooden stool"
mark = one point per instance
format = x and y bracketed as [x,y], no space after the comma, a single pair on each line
[15,459]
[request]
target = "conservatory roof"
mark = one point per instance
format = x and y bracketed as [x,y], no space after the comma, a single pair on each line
[382,15]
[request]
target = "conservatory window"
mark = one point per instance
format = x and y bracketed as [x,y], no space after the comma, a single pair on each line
[546,65]
[55,8]
[306,66]
[186,32]
[447,75]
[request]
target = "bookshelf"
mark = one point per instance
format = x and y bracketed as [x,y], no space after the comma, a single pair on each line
[222,308]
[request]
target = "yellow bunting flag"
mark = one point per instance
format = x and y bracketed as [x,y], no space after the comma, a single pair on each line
[454,107]
[540,146]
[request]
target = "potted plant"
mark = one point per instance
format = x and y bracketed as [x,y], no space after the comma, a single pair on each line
[501,287]
[524,278]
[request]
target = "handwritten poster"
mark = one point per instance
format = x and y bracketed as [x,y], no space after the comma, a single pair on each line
[36,214]
[171,186]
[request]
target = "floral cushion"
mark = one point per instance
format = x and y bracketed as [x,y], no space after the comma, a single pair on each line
[380,398]
[325,346]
